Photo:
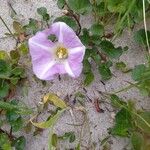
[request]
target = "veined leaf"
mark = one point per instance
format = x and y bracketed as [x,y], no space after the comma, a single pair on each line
[4,55]
[69,21]
[97,29]
[5,144]
[80,6]
[117,102]
[143,121]
[137,141]
[7,106]
[60,4]
[18,109]
[55,100]
[105,71]
[138,71]
[108,48]
[20,143]
[123,123]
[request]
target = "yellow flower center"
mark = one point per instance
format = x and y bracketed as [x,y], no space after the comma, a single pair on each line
[61,53]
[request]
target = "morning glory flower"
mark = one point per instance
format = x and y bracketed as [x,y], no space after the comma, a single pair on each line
[50,58]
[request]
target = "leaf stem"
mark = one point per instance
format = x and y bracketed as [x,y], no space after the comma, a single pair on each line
[145,26]
[9,4]
[75,17]
[126,88]
[7,28]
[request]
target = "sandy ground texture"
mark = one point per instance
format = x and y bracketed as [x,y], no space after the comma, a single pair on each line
[99,123]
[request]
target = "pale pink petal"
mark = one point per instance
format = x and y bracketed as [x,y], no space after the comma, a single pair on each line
[73,69]
[41,67]
[76,54]
[45,65]
[65,35]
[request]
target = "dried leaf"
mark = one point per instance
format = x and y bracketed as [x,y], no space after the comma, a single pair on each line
[49,123]
[55,100]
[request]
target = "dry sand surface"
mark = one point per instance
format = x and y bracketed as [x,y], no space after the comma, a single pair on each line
[98,122]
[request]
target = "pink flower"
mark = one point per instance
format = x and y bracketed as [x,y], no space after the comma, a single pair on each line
[61,57]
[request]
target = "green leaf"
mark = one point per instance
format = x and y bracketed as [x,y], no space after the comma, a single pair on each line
[14,54]
[100,8]
[138,71]
[32,27]
[122,67]
[143,121]
[46,17]
[89,77]
[5,144]
[11,107]
[19,143]
[69,21]
[14,81]
[80,6]
[50,122]
[72,137]
[4,55]
[95,39]
[7,106]
[78,147]
[16,123]
[14,118]
[85,37]
[4,89]
[58,102]
[68,136]
[97,29]
[18,71]
[116,101]
[5,69]
[79,97]
[86,64]
[108,48]
[137,141]
[60,4]
[42,11]
[105,71]
[123,123]
[118,6]
[23,48]
[140,37]
[98,1]
[54,140]
[53,38]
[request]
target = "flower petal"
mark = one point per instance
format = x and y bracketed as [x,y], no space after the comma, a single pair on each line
[73,69]
[65,35]
[45,66]
[41,38]
[76,54]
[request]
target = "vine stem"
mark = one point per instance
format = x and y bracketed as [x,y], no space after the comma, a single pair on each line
[9,4]
[145,27]
[7,27]
[74,16]
[11,137]
[126,88]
